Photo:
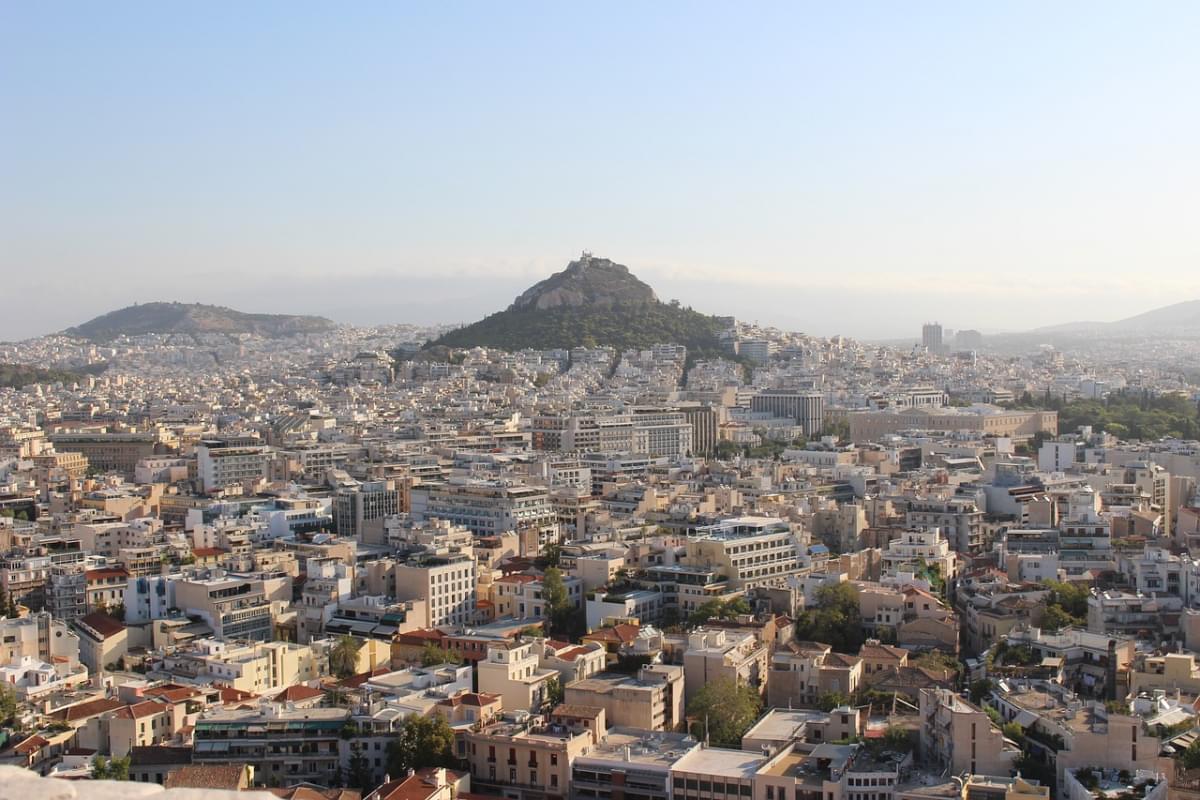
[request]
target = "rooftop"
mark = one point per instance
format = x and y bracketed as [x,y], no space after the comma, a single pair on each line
[660,749]
[717,761]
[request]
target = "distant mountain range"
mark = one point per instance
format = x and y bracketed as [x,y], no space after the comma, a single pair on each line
[593,302]
[167,318]
[1179,317]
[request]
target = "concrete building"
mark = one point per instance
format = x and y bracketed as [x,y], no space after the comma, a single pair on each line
[235,607]
[714,655]
[530,758]
[959,736]
[651,700]
[359,512]
[220,464]
[749,551]
[445,582]
[983,420]
[806,408]
[512,673]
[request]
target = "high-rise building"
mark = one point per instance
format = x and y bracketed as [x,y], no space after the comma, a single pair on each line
[931,336]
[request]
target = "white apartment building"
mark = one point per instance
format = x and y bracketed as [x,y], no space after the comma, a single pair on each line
[748,551]
[906,553]
[219,465]
[329,581]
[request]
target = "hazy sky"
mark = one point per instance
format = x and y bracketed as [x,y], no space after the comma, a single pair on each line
[834,167]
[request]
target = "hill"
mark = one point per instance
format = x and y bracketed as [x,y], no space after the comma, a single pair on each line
[14,376]
[167,318]
[593,302]
[1183,316]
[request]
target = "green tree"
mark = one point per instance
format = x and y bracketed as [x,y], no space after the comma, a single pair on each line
[724,709]
[551,554]
[343,656]
[554,693]
[8,705]
[1055,618]
[7,606]
[833,620]
[566,619]
[1190,758]
[1071,597]
[421,742]
[359,775]
[831,700]
[718,609]
[116,769]
[432,655]
[1014,731]
[981,690]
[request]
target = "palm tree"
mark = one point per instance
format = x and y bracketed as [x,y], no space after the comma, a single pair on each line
[343,656]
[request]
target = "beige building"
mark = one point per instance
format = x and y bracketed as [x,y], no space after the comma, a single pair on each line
[651,700]
[870,426]
[103,641]
[1169,672]
[531,761]
[511,672]
[445,582]
[255,667]
[802,672]
[958,735]
[138,725]
[714,655]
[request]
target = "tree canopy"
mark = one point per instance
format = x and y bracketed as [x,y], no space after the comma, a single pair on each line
[718,609]
[1132,415]
[343,656]
[726,710]
[432,655]
[105,769]
[833,620]
[566,619]
[421,742]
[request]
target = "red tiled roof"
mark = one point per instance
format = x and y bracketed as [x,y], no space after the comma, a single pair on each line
[89,709]
[206,552]
[146,708]
[573,653]
[297,693]
[230,695]
[477,699]
[105,572]
[31,745]
[354,681]
[172,695]
[207,776]
[102,624]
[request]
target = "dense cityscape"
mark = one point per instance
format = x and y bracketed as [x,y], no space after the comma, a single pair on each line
[410,563]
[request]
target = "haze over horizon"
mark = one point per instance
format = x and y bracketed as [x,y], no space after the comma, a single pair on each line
[831,170]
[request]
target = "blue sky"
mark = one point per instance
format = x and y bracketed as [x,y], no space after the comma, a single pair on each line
[834,168]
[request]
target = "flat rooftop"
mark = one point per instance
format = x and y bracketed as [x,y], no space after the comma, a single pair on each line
[659,748]
[781,724]
[720,762]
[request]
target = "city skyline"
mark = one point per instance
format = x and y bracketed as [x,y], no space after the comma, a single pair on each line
[832,171]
